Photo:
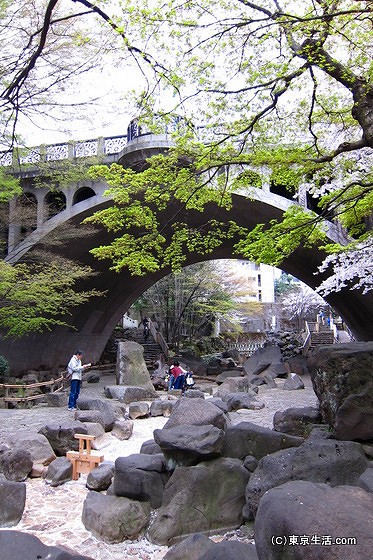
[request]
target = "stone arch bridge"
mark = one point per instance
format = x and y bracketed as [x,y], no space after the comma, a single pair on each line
[93,322]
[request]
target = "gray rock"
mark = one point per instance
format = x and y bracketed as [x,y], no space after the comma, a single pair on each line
[161,408]
[131,369]
[128,394]
[197,412]
[90,416]
[113,519]
[16,464]
[236,401]
[295,421]
[342,379]
[102,438]
[194,394]
[156,408]
[191,548]
[335,462]
[12,502]
[235,385]
[15,545]
[219,403]
[188,445]
[262,359]
[293,383]
[59,471]
[37,445]
[250,463]
[141,477]
[202,509]
[315,511]
[365,480]
[138,410]
[61,435]
[105,408]
[100,478]
[247,438]
[59,399]
[228,373]
[149,447]
[230,550]
[122,429]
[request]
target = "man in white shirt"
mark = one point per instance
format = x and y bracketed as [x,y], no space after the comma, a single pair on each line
[75,369]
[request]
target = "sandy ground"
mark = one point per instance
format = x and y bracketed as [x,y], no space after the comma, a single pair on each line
[54,514]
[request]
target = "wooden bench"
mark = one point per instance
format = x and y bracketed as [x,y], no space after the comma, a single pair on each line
[84,460]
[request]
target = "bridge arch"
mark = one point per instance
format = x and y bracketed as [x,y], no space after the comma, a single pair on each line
[83,193]
[93,322]
[54,203]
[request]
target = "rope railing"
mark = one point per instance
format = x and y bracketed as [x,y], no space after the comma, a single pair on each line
[9,387]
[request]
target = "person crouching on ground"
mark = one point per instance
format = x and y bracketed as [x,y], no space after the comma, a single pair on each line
[75,369]
[177,376]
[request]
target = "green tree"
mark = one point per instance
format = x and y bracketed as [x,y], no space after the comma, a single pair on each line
[279,89]
[34,297]
[187,304]
[267,91]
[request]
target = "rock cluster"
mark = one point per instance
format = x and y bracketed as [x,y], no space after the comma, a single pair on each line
[202,474]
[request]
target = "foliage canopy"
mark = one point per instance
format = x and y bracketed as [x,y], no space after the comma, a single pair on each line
[264,92]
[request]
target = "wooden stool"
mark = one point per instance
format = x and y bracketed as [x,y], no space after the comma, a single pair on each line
[84,460]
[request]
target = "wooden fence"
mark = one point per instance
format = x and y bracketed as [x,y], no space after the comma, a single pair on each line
[12,391]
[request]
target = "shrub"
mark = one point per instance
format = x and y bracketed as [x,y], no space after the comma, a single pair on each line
[4,367]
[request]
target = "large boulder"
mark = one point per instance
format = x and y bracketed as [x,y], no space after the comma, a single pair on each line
[12,502]
[237,401]
[200,547]
[263,359]
[196,412]
[188,445]
[161,408]
[122,429]
[141,477]
[106,410]
[235,385]
[301,520]
[15,545]
[101,477]
[16,464]
[192,547]
[113,519]
[126,394]
[293,383]
[342,379]
[247,438]
[206,497]
[296,421]
[324,460]
[131,369]
[36,444]
[61,435]
[138,410]
[59,471]
[230,550]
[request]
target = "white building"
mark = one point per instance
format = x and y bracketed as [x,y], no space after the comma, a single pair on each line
[259,278]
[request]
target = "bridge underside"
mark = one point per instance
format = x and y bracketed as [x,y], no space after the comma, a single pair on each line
[93,323]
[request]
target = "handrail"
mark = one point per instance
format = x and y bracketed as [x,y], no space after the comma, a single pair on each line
[307,341]
[26,386]
[158,337]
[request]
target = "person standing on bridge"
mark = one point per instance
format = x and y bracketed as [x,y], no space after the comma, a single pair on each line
[74,371]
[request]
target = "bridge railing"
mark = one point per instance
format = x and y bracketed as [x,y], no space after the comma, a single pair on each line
[105,146]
